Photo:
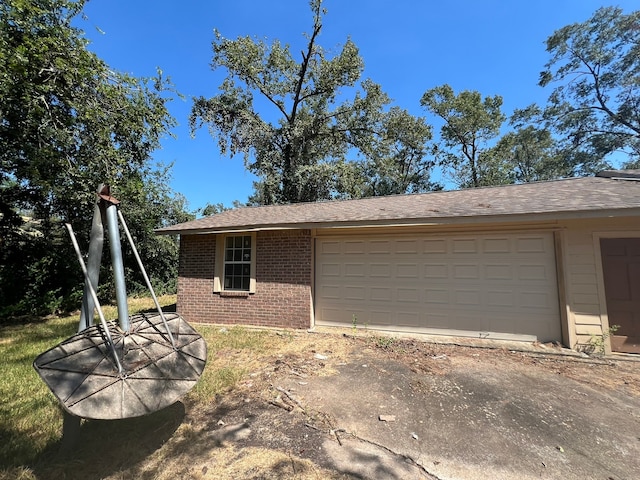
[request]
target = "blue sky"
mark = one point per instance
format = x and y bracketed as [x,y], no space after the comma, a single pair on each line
[408,46]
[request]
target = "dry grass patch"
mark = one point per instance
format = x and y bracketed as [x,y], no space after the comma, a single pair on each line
[233,463]
[31,416]
[165,444]
[207,435]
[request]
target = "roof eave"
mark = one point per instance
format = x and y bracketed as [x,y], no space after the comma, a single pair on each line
[422,221]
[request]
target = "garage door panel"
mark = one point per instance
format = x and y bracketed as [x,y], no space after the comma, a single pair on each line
[500,298]
[498,272]
[534,272]
[354,269]
[404,247]
[462,271]
[331,269]
[329,247]
[437,320]
[379,247]
[434,246]
[408,319]
[437,297]
[381,294]
[380,270]
[332,292]
[499,286]
[354,247]
[379,317]
[497,245]
[408,295]
[468,245]
[535,300]
[407,270]
[332,315]
[436,270]
[355,293]
[467,297]
[533,244]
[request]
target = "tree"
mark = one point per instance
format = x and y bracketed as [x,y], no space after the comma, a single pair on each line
[469,124]
[149,203]
[215,208]
[304,153]
[67,123]
[596,103]
[397,160]
[530,152]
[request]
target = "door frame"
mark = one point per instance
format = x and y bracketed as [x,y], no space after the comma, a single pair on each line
[602,295]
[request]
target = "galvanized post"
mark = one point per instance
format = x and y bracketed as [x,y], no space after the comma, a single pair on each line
[118,266]
[94,260]
[146,278]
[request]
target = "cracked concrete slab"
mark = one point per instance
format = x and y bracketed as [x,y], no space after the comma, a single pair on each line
[474,420]
[361,459]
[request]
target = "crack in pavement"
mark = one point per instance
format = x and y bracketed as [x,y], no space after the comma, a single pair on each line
[406,458]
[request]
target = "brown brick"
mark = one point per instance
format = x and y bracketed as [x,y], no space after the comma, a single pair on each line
[283,282]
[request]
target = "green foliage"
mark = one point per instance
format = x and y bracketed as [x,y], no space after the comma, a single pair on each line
[30,413]
[398,160]
[385,342]
[597,342]
[149,204]
[31,416]
[68,123]
[595,106]
[529,152]
[215,208]
[323,113]
[530,155]
[469,124]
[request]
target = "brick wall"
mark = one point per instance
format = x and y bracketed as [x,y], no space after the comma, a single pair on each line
[283,282]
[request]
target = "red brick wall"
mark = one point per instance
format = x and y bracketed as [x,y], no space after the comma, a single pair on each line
[283,282]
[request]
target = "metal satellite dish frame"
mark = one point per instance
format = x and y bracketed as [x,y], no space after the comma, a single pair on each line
[126,369]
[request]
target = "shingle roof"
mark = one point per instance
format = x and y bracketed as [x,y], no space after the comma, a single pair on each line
[575,197]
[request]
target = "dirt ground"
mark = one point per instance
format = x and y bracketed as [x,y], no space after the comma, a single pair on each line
[288,418]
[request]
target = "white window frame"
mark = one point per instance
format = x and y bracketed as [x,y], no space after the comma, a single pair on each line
[218,280]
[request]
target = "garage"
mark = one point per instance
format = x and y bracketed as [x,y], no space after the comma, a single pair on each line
[501,286]
[527,262]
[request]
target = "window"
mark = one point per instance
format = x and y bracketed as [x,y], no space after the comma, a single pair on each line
[235,264]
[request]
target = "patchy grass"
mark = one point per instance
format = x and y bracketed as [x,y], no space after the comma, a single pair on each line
[155,446]
[231,353]
[239,386]
[31,416]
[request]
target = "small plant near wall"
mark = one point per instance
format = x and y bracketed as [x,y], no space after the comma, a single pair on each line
[385,342]
[354,323]
[597,342]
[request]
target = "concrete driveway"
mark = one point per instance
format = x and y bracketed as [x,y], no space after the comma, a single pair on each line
[463,413]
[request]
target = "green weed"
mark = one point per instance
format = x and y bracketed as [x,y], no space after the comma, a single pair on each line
[597,342]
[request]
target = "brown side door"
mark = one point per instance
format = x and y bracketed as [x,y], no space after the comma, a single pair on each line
[621,269]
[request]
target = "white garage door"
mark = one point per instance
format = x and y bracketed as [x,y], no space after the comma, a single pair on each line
[488,286]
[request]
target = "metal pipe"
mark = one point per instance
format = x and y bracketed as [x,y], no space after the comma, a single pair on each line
[94,260]
[118,266]
[146,277]
[94,296]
